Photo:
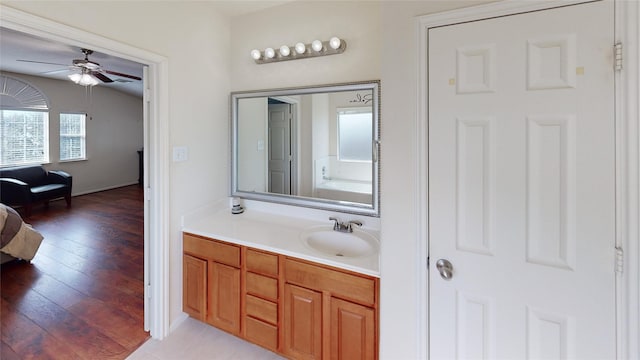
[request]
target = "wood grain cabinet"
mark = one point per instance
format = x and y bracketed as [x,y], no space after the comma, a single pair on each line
[194,280]
[297,308]
[353,334]
[302,323]
[261,298]
[222,280]
[329,313]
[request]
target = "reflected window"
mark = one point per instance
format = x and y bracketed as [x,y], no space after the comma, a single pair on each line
[355,132]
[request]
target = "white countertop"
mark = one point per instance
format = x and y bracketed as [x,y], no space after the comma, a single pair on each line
[275,233]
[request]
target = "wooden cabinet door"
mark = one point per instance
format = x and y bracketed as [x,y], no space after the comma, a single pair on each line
[194,278]
[302,323]
[224,297]
[352,331]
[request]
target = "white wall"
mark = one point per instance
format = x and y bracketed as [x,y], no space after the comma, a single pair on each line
[252,160]
[381,41]
[113,132]
[381,44]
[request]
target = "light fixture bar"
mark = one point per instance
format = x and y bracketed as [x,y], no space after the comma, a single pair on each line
[299,51]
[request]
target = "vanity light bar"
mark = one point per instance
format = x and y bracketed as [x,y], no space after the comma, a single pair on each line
[299,51]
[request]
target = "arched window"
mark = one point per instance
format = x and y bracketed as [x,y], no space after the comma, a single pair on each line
[24,123]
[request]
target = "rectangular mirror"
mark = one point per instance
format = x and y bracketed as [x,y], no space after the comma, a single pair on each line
[311,146]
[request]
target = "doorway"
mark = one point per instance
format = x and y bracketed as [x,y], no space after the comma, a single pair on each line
[279,152]
[155,158]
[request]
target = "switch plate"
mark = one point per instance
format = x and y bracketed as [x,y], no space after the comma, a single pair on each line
[180,153]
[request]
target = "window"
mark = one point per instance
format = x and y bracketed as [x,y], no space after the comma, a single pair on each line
[25,137]
[72,137]
[355,132]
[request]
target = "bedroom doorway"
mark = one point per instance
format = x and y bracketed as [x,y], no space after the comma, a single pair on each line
[155,121]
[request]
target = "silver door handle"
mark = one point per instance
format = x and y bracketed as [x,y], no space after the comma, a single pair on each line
[445,268]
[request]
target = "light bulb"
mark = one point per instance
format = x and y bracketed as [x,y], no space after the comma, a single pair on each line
[300,48]
[75,77]
[284,50]
[316,45]
[87,80]
[334,42]
[255,54]
[269,53]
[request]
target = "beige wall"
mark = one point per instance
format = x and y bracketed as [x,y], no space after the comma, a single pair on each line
[113,131]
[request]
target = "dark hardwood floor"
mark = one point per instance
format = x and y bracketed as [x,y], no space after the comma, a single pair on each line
[82,295]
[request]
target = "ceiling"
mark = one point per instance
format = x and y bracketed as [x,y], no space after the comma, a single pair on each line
[20,46]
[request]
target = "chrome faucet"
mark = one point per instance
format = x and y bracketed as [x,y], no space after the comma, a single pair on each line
[344,227]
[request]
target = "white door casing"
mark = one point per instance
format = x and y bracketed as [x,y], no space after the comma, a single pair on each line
[522,185]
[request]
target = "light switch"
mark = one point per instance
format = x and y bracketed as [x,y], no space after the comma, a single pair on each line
[180,153]
[260,145]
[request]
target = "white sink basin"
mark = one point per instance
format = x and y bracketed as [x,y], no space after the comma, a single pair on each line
[334,243]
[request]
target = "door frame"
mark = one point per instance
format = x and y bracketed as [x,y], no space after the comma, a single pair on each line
[627,32]
[295,144]
[156,158]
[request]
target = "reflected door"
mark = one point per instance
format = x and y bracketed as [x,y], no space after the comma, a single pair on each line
[521,186]
[280,148]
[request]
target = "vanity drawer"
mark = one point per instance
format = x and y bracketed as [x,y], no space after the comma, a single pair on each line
[261,333]
[262,286]
[345,285]
[212,250]
[262,309]
[262,263]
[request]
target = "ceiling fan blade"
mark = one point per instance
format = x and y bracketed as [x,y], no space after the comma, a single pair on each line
[41,62]
[122,75]
[54,72]
[101,77]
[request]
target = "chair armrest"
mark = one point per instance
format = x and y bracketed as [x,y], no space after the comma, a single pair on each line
[14,191]
[59,177]
[13,182]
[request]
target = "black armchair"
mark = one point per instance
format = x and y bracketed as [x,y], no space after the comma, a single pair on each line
[26,185]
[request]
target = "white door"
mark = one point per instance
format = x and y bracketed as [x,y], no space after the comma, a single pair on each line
[280,148]
[521,186]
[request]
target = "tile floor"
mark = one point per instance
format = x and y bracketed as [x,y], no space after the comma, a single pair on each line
[194,340]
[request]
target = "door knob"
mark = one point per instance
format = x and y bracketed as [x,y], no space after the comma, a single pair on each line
[445,269]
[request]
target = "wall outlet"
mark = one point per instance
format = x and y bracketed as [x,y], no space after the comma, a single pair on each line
[180,153]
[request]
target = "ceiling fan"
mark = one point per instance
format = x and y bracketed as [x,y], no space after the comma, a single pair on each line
[85,71]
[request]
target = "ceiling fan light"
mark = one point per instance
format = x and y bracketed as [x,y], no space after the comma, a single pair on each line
[75,77]
[84,79]
[88,80]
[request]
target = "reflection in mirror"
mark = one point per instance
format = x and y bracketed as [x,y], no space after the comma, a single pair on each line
[315,147]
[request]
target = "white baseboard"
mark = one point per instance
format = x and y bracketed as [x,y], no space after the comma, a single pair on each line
[177,322]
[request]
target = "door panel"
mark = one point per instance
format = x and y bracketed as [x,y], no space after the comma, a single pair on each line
[521,185]
[303,323]
[280,148]
[224,297]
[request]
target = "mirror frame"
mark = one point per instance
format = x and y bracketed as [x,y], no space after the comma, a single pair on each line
[310,202]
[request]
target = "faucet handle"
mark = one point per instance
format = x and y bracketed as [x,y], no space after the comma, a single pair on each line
[336,222]
[354,222]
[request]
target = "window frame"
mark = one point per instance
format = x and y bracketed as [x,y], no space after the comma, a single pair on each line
[352,110]
[46,156]
[83,136]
